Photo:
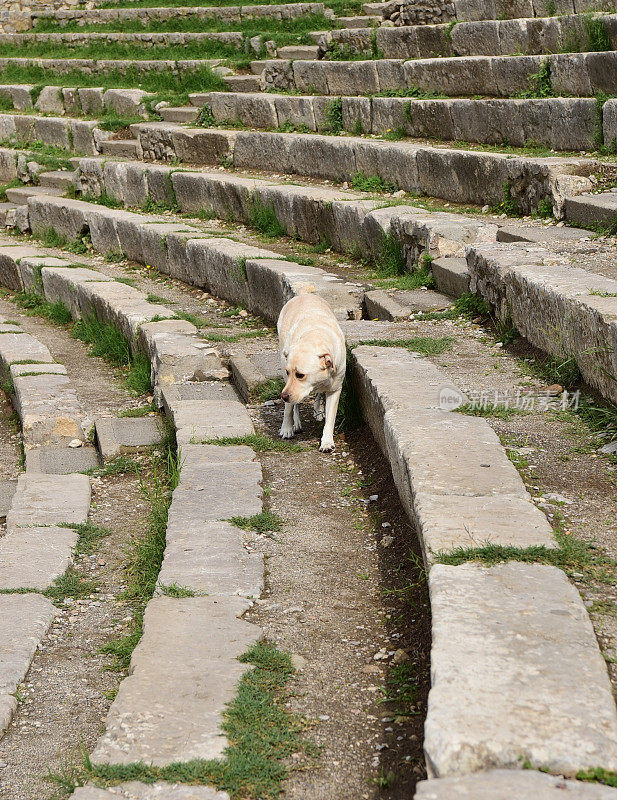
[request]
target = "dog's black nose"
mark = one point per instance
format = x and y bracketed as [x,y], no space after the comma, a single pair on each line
[285,396]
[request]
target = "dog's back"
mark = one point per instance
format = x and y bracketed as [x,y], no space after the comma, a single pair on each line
[306,311]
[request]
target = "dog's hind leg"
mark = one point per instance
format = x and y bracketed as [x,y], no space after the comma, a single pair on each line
[319,407]
[288,428]
[297,422]
[327,437]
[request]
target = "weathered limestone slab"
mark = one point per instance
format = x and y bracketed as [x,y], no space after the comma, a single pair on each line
[61,284]
[116,435]
[204,496]
[209,558]
[450,470]
[24,621]
[9,270]
[22,347]
[551,303]
[183,672]
[516,673]
[399,305]
[154,791]
[61,460]
[177,358]
[506,784]
[48,407]
[591,210]
[253,370]
[205,411]
[49,500]
[451,275]
[7,490]
[32,558]
[122,305]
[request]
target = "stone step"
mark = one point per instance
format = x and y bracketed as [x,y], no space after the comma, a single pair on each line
[183,672]
[32,558]
[233,39]
[150,791]
[455,500]
[54,460]
[535,36]
[368,21]
[516,673]
[451,275]
[505,784]
[228,14]
[571,74]
[401,305]
[120,148]
[42,500]
[559,123]
[204,552]
[593,211]
[67,134]
[252,371]
[545,293]
[199,99]
[62,66]
[213,263]
[461,176]
[305,52]
[242,83]
[118,435]
[181,114]
[256,67]
[57,179]
[6,212]
[24,621]
[466,11]
[20,194]
[7,490]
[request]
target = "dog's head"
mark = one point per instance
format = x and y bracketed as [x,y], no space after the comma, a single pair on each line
[308,369]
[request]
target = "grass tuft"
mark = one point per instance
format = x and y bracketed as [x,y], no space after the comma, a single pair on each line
[264,522]
[427,345]
[259,442]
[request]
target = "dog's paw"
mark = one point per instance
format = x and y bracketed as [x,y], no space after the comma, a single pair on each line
[319,415]
[286,432]
[326,446]
[297,427]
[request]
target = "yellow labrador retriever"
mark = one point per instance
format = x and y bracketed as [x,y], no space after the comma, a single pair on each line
[313,356]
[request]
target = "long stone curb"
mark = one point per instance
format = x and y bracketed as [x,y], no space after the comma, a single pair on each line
[492,37]
[564,310]
[78,135]
[67,100]
[90,66]
[503,784]
[259,279]
[170,708]
[572,74]
[560,123]
[155,791]
[312,213]
[144,15]
[235,39]
[516,672]
[461,176]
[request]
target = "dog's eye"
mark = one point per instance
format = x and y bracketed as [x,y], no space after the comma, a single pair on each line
[300,375]
[287,371]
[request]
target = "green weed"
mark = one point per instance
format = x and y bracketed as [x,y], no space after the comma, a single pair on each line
[258,442]
[264,522]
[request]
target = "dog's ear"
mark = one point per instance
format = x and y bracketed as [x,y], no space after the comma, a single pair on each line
[328,361]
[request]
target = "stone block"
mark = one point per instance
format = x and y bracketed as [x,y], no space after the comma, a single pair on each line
[117,435]
[22,347]
[61,460]
[53,131]
[24,621]
[183,672]
[7,490]
[153,791]
[516,674]
[505,784]
[48,407]
[91,100]
[206,411]
[49,500]
[451,275]
[125,102]
[298,111]
[50,100]
[32,558]
[209,558]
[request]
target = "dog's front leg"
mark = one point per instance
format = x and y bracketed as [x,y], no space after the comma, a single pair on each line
[287,428]
[327,437]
